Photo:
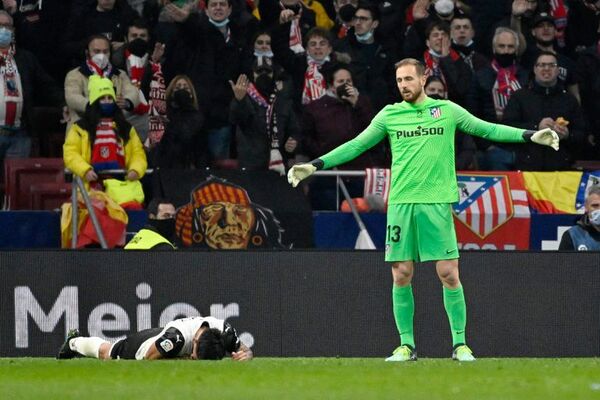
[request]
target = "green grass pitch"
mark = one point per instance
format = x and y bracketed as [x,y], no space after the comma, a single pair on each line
[300,378]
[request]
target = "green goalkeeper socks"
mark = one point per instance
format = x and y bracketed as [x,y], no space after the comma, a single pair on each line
[456,308]
[404,312]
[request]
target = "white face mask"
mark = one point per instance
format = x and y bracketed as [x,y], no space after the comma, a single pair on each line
[444,7]
[101,60]
[595,217]
[365,37]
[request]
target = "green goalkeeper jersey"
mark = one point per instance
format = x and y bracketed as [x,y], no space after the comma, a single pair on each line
[422,142]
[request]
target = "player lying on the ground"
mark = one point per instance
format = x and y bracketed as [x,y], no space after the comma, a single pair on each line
[197,338]
[419,216]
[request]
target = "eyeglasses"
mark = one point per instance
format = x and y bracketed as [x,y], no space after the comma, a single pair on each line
[361,19]
[546,65]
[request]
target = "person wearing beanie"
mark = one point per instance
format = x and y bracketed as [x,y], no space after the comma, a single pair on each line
[102,139]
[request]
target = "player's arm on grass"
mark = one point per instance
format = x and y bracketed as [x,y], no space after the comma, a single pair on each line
[348,151]
[168,345]
[470,124]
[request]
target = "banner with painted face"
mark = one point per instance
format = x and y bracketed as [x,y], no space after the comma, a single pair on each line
[233,210]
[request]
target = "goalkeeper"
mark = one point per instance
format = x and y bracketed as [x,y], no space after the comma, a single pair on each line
[423,187]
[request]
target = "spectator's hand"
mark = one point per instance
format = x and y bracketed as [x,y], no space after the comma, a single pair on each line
[90,176]
[159,51]
[10,6]
[562,131]
[243,354]
[66,115]
[240,88]
[352,97]
[132,175]
[445,52]
[299,172]
[177,14]
[420,8]
[121,103]
[519,7]
[591,140]
[546,137]
[287,16]
[546,123]
[290,145]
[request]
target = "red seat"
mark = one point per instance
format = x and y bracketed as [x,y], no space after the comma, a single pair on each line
[21,173]
[49,196]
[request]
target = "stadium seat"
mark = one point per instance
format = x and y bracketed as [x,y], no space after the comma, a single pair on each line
[49,196]
[21,173]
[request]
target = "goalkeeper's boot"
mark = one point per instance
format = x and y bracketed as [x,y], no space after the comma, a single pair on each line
[403,353]
[65,351]
[462,352]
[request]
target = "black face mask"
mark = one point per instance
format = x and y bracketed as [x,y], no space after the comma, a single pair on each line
[264,84]
[181,98]
[138,47]
[346,13]
[528,14]
[505,60]
[295,8]
[165,227]
[435,96]
[466,50]
[545,43]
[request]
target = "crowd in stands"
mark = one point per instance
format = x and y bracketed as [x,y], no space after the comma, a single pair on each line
[268,83]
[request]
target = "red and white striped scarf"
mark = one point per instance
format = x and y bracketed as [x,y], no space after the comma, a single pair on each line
[295,32]
[94,69]
[432,64]
[377,182]
[11,102]
[506,84]
[315,86]
[158,107]
[275,158]
[107,149]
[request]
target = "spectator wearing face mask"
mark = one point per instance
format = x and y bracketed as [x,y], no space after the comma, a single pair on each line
[184,143]
[142,64]
[268,127]
[97,63]
[370,63]
[159,232]
[585,235]
[109,18]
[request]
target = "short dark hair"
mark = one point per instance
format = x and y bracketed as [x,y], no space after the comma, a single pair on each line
[228,3]
[139,23]
[546,53]
[441,25]
[318,32]
[211,345]
[370,7]
[330,69]
[96,36]
[152,207]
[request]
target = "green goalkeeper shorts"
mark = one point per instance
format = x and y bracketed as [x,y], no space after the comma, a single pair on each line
[420,232]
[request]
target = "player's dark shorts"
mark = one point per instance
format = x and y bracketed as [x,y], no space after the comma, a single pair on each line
[126,348]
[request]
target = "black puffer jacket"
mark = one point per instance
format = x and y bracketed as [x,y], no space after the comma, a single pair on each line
[527,107]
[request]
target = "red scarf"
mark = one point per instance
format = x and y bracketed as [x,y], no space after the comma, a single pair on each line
[158,107]
[295,32]
[314,83]
[94,69]
[275,158]
[107,149]
[506,84]
[432,64]
[559,12]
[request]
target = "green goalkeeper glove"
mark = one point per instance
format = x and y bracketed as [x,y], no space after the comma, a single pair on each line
[302,171]
[546,137]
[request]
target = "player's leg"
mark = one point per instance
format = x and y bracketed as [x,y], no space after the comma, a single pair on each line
[400,250]
[76,346]
[437,242]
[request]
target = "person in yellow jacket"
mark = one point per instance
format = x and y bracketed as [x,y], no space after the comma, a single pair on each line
[159,231]
[102,139]
[322,20]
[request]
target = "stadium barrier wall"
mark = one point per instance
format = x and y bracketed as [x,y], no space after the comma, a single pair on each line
[301,303]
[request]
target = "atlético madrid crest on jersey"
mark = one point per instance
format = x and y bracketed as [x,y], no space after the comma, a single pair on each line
[435,112]
[485,203]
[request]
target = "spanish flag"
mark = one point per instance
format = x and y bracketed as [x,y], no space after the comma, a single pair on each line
[552,192]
